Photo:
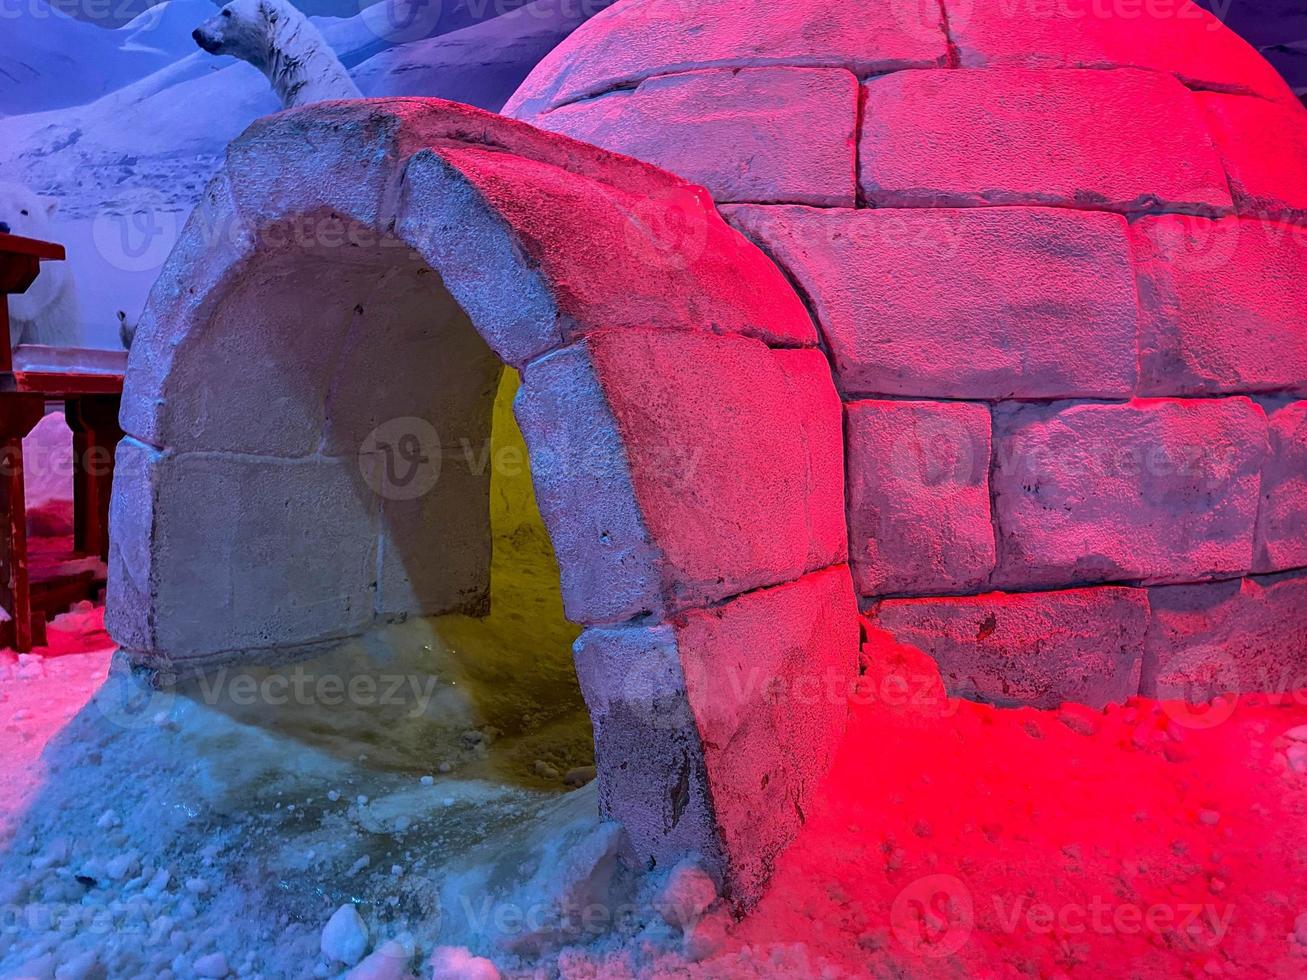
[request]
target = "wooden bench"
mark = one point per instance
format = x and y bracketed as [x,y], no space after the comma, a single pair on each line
[89,385]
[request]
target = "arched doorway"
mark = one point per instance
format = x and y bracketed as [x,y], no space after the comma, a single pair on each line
[327,338]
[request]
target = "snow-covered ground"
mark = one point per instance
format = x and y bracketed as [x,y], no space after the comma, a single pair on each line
[147,831]
[167,833]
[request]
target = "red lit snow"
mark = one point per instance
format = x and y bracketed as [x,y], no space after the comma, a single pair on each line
[1153,839]
[954,839]
[39,693]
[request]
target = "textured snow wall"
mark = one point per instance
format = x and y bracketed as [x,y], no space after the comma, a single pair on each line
[1057,259]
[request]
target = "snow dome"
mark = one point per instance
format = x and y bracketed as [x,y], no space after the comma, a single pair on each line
[1056,260]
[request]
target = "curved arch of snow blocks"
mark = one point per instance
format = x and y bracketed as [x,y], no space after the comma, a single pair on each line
[359,263]
[1058,269]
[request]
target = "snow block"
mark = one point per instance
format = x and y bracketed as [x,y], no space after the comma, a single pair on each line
[919,517]
[631,42]
[712,731]
[640,440]
[1155,490]
[1222,305]
[1245,635]
[1263,147]
[821,417]
[963,303]
[610,567]
[213,554]
[1179,38]
[1029,648]
[719,454]
[1281,541]
[608,257]
[649,756]
[749,134]
[696,413]
[768,676]
[1124,140]
[129,608]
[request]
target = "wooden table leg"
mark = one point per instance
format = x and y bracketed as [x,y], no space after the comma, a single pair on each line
[94,421]
[17,273]
[18,415]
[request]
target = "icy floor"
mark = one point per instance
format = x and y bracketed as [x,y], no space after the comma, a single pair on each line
[951,840]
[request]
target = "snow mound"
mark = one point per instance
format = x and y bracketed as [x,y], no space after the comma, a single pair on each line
[481,65]
[50,60]
[267,821]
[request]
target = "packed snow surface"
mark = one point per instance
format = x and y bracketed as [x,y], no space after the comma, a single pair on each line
[156,834]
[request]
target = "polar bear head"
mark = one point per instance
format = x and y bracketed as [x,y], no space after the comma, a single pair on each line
[24,213]
[243,29]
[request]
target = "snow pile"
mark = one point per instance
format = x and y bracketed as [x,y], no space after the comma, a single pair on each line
[256,824]
[50,60]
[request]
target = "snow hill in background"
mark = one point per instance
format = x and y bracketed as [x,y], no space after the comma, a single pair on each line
[49,60]
[125,126]
[481,65]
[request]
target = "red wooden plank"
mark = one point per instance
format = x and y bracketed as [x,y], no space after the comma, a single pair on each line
[45,251]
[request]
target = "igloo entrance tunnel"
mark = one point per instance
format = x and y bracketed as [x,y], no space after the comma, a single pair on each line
[1018,372]
[363,265]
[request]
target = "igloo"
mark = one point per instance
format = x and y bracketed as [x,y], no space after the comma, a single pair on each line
[1003,347]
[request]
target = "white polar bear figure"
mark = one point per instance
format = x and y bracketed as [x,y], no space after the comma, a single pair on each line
[48,313]
[279,40]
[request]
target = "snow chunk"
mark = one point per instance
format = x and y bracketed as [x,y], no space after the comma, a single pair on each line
[82,967]
[345,937]
[458,963]
[687,895]
[214,965]
[389,962]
